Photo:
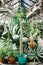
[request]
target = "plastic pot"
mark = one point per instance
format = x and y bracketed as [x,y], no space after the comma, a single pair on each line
[22,59]
[4,60]
[1,29]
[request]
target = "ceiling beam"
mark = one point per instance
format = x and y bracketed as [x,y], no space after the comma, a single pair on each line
[34,9]
[26,3]
[33,1]
[15,3]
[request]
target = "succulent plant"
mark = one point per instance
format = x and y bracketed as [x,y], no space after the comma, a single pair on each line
[12,53]
[2,53]
[35,53]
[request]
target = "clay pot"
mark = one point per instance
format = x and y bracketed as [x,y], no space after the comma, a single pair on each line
[12,60]
[2,60]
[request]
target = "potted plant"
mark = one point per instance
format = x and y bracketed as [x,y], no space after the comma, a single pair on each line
[34,33]
[3,55]
[34,50]
[11,52]
[21,57]
[12,55]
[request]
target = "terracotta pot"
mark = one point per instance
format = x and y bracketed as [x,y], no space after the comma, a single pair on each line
[12,60]
[2,60]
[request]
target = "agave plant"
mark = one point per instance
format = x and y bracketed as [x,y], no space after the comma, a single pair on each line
[35,53]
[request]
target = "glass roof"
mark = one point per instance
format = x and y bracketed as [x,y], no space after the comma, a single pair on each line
[12,6]
[15,3]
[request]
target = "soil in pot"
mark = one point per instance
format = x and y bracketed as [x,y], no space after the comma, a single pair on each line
[12,60]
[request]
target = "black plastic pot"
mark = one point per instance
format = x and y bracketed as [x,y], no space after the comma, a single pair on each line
[1,29]
[5,61]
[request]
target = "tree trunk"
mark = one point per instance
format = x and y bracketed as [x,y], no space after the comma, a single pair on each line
[21,48]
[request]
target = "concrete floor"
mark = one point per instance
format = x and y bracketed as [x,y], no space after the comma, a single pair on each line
[31,63]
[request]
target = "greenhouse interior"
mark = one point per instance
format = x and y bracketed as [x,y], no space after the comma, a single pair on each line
[21,32]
